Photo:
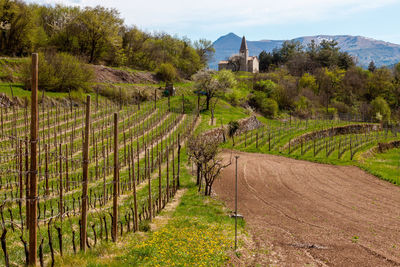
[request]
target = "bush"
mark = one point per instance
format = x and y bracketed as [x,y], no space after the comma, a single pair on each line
[60,73]
[303,108]
[380,110]
[128,94]
[78,95]
[166,72]
[269,108]
[266,86]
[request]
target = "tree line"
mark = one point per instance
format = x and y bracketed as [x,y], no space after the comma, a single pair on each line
[320,78]
[95,35]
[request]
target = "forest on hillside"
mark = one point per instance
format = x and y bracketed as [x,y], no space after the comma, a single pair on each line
[322,79]
[95,35]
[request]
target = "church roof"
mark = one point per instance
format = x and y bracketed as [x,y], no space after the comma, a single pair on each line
[243,46]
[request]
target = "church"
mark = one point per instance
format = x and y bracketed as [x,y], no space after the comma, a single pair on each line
[241,61]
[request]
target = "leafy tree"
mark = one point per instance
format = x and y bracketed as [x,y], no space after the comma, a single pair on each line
[329,82]
[212,85]
[226,79]
[97,31]
[371,66]
[308,81]
[15,27]
[205,50]
[380,109]
[266,60]
[380,83]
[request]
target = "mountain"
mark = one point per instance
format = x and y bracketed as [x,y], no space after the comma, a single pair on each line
[362,48]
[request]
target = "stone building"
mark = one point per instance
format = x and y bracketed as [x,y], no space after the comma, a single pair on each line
[241,61]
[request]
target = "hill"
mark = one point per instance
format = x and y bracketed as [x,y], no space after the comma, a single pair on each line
[362,48]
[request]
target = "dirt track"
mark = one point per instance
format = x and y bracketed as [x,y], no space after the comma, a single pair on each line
[301,213]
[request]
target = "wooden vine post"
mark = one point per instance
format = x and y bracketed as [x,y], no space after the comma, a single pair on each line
[85,167]
[149,179]
[33,168]
[159,182]
[178,184]
[116,182]
[167,173]
[136,225]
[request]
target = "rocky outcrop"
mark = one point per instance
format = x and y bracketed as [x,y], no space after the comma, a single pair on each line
[220,134]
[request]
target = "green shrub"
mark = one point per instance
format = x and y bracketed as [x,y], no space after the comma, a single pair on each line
[78,95]
[331,112]
[266,86]
[303,107]
[269,108]
[166,72]
[60,73]
[380,109]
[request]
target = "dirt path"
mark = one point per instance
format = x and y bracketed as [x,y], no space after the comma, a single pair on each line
[301,213]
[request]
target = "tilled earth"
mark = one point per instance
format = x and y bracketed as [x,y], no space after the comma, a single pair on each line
[300,213]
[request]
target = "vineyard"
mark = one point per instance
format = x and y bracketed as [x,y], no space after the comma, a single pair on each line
[93,183]
[89,173]
[329,141]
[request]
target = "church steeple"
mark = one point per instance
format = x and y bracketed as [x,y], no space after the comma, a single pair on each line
[244,55]
[243,46]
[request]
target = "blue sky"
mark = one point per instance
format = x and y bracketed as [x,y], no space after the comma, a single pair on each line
[258,19]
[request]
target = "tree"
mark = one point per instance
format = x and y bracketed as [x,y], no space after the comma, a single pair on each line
[204,153]
[380,109]
[266,60]
[233,126]
[380,83]
[329,82]
[15,27]
[205,50]
[213,84]
[371,66]
[97,30]
[236,62]
[308,81]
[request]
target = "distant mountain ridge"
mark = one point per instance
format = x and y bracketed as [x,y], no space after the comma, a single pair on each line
[362,48]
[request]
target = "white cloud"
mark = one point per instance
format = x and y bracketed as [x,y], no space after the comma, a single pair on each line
[212,15]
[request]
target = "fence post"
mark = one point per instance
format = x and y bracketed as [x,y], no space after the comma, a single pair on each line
[33,169]
[85,166]
[116,182]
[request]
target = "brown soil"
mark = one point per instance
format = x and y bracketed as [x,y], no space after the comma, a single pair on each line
[301,213]
[109,75]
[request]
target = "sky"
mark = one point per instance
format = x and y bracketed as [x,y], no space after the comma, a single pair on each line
[257,19]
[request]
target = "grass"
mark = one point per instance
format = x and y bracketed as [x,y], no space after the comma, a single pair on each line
[384,165]
[199,233]
[224,113]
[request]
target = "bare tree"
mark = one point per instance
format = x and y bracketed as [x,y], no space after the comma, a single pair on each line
[233,126]
[235,62]
[204,152]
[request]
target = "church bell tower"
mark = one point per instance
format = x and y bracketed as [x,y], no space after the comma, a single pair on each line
[244,55]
